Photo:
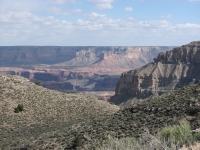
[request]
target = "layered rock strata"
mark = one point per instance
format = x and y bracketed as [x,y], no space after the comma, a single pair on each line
[84,67]
[170,70]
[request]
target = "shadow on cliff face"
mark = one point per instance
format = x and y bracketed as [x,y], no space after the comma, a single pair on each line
[192,77]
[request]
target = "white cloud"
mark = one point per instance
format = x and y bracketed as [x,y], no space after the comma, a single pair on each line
[17,6]
[103,23]
[128,9]
[169,16]
[101,1]
[194,0]
[60,1]
[131,18]
[187,26]
[58,11]
[28,27]
[102,6]
[55,10]
[77,11]
[22,27]
[155,24]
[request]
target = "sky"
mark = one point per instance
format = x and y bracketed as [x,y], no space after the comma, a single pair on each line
[99,22]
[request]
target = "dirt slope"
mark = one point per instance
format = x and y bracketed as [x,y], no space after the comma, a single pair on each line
[44,110]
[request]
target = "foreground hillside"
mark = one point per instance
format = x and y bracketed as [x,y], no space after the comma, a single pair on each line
[153,113]
[44,110]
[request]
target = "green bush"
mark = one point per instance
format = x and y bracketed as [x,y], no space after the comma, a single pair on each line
[181,133]
[112,103]
[127,143]
[168,138]
[37,82]
[16,110]
[19,108]
[77,141]
[196,136]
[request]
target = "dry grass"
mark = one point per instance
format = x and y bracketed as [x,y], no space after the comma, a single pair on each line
[196,146]
[177,136]
[42,108]
[52,119]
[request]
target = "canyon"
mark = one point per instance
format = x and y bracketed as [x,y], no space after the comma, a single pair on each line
[76,68]
[170,70]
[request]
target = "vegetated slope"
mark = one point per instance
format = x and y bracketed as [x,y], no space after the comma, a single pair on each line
[170,70]
[152,113]
[44,110]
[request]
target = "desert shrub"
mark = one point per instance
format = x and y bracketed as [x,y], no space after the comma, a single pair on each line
[19,108]
[16,110]
[37,82]
[166,132]
[112,103]
[128,143]
[168,138]
[77,141]
[196,136]
[181,133]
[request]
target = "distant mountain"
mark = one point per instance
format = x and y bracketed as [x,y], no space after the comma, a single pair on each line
[114,57]
[77,55]
[75,68]
[170,70]
[29,55]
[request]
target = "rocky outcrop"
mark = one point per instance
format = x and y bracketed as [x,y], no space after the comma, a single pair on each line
[170,70]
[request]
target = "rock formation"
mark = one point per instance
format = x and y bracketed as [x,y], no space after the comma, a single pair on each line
[74,56]
[170,70]
[83,68]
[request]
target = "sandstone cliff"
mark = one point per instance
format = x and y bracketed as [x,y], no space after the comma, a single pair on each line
[114,57]
[79,68]
[170,70]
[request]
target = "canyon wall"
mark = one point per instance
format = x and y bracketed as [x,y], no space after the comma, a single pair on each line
[170,70]
[78,68]
[28,55]
[76,55]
